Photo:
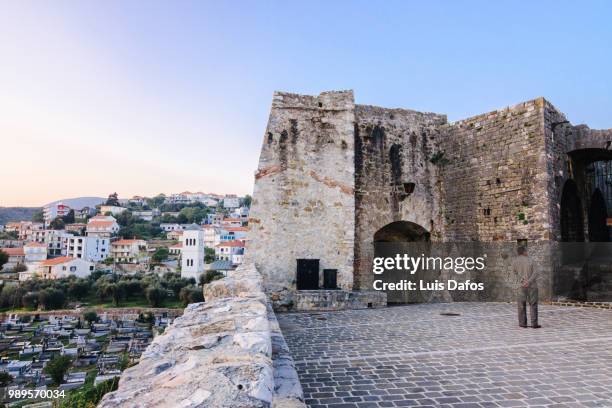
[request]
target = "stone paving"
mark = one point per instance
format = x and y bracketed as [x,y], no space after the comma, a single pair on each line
[413,356]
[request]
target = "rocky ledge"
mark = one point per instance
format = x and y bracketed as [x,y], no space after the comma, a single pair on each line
[225,352]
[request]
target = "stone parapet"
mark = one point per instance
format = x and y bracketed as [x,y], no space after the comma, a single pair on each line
[225,352]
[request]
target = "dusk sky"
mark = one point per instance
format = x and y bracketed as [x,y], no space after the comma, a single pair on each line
[147,97]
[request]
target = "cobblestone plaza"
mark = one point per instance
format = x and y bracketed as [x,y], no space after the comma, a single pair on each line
[452,355]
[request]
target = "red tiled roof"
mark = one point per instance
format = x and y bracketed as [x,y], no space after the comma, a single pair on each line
[126,241]
[232,220]
[235,229]
[57,261]
[13,251]
[100,224]
[179,245]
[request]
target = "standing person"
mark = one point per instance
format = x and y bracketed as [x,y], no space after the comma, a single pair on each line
[528,291]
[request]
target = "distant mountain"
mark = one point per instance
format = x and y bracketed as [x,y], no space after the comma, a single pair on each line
[8,214]
[79,202]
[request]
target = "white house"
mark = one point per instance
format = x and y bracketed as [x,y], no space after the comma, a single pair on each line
[129,251]
[146,215]
[231,233]
[192,252]
[113,209]
[23,228]
[102,226]
[211,235]
[231,201]
[174,235]
[209,202]
[52,211]
[15,256]
[57,242]
[175,249]
[35,252]
[214,219]
[167,227]
[231,222]
[230,251]
[138,200]
[90,248]
[65,266]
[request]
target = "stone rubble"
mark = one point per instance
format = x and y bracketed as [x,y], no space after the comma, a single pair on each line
[225,352]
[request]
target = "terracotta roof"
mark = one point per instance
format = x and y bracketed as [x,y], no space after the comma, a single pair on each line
[232,220]
[179,245]
[57,261]
[234,243]
[127,241]
[13,251]
[100,224]
[235,229]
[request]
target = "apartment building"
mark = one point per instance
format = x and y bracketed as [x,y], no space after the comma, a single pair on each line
[89,248]
[102,226]
[130,251]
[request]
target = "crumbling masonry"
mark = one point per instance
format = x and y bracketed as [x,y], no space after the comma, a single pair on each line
[334,177]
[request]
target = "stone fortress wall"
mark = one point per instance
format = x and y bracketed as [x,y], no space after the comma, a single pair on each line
[334,178]
[226,352]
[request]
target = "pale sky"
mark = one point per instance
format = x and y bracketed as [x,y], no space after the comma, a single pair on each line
[147,97]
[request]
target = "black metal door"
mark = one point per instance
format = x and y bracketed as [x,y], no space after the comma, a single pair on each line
[307,274]
[329,278]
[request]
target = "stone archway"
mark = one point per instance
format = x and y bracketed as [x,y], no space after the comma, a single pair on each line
[401,231]
[401,237]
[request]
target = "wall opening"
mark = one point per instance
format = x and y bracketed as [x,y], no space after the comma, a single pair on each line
[401,231]
[402,237]
[572,226]
[598,215]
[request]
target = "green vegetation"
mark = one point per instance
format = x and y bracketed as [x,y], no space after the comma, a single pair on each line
[5,378]
[57,367]
[209,255]
[439,159]
[133,227]
[160,255]
[100,290]
[90,316]
[11,214]
[209,277]
[3,258]
[246,201]
[88,395]
[191,294]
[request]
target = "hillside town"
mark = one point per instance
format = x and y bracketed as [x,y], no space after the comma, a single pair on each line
[186,233]
[132,253]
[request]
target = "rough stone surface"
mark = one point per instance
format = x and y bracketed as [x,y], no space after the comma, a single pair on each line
[304,189]
[339,299]
[412,356]
[226,352]
[333,174]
